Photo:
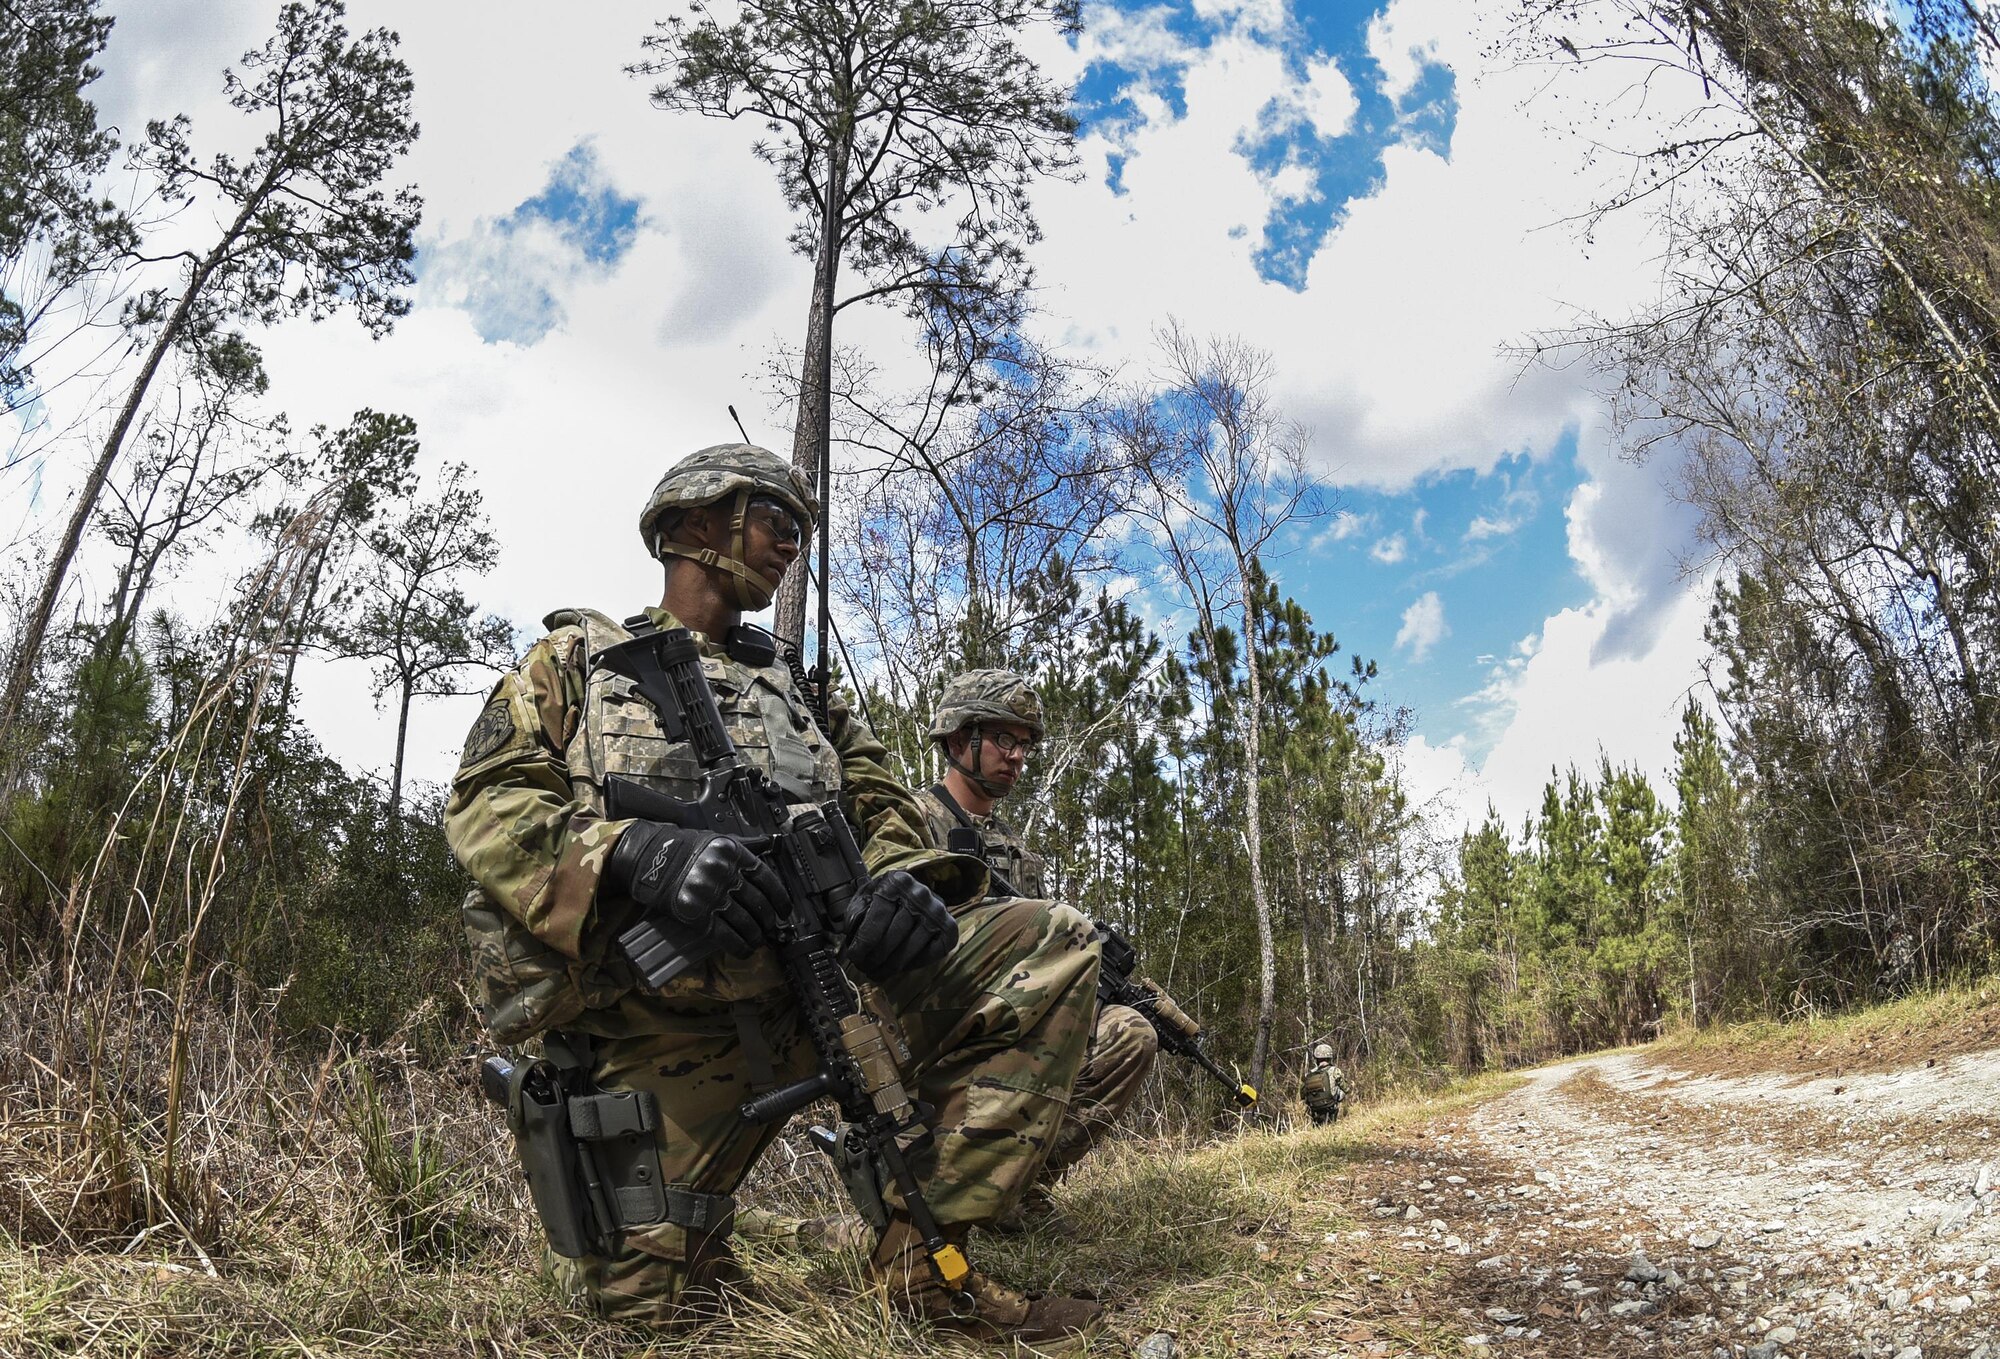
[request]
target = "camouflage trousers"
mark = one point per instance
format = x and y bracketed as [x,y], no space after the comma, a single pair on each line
[1122,1048]
[998,1031]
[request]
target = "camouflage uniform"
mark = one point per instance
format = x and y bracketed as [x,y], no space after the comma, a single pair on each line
[1123,1044]
[1321,1087]
[998,1028]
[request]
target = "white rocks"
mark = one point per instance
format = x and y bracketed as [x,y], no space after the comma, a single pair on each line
[1158,1345]
[1955,1218]
[1643,1271]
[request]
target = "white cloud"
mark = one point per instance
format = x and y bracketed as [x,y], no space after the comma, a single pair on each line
[1423,626]
[1401,46]
[1392,353]
[1328,100]
[1482,528]
[1344,525]
[1564,705]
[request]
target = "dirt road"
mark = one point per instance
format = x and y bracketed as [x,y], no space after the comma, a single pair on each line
[1621,1205]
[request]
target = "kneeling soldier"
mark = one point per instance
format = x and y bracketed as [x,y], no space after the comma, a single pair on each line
[996,1007]
[987,723]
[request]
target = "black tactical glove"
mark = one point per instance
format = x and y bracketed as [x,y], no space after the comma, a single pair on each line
[896,926]
[697,886]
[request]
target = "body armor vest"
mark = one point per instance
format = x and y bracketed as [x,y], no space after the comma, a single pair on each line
[1321,1085]
[1001,846]
[526,987]
[619,734]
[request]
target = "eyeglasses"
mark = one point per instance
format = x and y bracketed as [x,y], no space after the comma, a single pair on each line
[1006,742]
[776,516]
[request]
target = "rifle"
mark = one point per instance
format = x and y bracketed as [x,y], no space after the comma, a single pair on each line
[814,852]
[1178,1033]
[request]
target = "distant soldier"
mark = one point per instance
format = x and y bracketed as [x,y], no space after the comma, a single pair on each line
[987,723]
[1323,1088]
[995,999]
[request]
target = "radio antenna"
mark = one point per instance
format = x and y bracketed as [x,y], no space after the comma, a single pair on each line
[739,426]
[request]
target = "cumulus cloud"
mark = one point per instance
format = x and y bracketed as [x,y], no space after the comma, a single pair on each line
[1390,550]
[1423,626]
[1328,100]
[1564,704]
[1344,525]
[509,274]
[1401,46]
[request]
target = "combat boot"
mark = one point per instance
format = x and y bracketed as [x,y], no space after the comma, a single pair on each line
[999,1315]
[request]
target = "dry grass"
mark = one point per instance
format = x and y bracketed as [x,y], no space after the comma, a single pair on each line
[344,1202]
[1934,1024]
[347,1202]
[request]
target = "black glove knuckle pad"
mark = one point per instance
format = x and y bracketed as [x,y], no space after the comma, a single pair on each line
[896,927]
[707,885]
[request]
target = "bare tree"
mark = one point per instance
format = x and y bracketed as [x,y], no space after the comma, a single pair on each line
[200,454]
[411,615]
[975,484]
[881,111]
[310,232]
[1225,473]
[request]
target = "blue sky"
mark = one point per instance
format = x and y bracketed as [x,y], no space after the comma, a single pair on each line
[509,272]
[1329,147]
[1492,548]
[1438,582]
[1356,188]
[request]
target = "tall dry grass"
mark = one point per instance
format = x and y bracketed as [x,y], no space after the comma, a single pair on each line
[179,1177]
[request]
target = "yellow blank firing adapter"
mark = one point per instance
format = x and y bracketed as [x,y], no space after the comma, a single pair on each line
[1246,1095]
[951,1265]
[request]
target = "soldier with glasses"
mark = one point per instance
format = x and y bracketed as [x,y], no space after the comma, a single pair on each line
[988,723]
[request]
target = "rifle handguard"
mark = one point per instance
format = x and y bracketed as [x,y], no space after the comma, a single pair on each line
[1163,1010]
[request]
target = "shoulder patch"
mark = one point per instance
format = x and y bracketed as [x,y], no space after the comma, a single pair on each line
[493,730]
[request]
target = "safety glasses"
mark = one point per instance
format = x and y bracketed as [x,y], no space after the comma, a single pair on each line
[776,516]
[1006,742]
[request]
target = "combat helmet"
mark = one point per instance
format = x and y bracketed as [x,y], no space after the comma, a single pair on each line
[1322,1052]
[722,472]
[985,696]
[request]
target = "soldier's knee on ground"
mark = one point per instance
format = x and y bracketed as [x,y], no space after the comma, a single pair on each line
[1125,1040]
[662,1276]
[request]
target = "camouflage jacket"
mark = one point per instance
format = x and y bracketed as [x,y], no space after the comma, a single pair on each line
[1005,852]
[526,813]
[1322,1085]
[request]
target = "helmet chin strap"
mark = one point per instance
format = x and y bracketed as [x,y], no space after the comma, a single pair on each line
[753,589]
[978,780]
